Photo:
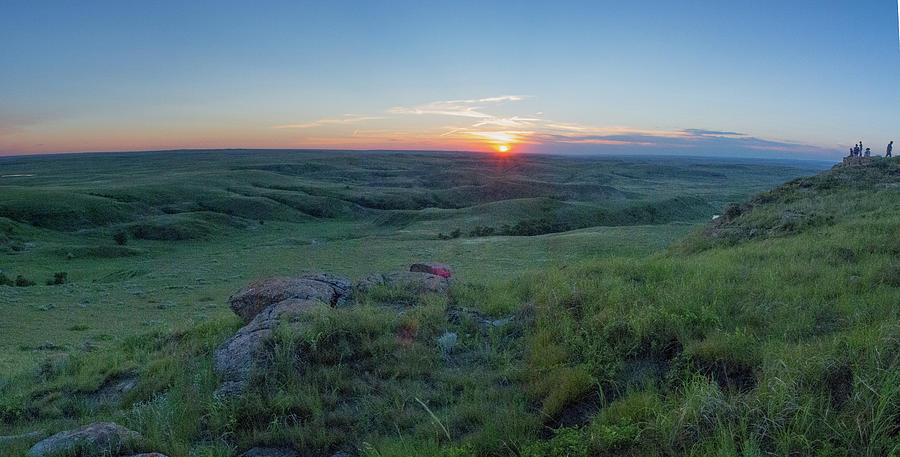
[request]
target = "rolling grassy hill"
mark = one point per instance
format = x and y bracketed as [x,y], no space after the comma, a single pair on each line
[771,330]
[122,191]
[198,225]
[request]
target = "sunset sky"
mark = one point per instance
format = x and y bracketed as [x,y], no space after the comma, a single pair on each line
[761,78]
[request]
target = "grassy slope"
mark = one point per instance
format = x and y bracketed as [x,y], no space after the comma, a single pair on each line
[771,331]
[780,342]
[200,215]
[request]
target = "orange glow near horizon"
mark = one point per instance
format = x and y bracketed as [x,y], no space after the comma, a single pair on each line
[503,148]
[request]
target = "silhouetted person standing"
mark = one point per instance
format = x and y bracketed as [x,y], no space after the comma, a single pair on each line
[890,149]
[868,152]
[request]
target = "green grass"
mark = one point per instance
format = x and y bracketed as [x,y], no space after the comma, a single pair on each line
[772,330]
[200,225]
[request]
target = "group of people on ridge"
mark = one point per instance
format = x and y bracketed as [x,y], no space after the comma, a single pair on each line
[857,150]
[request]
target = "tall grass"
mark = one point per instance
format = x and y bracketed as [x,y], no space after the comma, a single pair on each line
[771,332]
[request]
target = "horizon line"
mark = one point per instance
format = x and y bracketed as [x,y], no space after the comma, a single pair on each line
[402,151]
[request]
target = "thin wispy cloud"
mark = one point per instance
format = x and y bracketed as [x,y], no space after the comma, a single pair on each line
[514,121]
[462,108]
[571,128]
[321,122]
[477,124]
[704,132]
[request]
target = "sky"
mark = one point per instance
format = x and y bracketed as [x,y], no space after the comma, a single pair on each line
[800,79]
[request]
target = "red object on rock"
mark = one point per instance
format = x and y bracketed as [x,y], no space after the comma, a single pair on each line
[433,268]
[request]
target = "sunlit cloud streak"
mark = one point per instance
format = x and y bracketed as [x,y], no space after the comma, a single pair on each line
[477,128]
[514,121]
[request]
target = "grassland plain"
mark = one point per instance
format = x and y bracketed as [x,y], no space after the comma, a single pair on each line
[757,334]
[199,225]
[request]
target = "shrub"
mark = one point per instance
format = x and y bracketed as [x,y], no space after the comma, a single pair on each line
[732,212]
[5,281]
[120,238]
[456,233]
[482,231]
[568,441]
[532,227]
[58,278]
[97,252]
[22,282]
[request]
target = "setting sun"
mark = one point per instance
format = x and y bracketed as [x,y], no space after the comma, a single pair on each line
[503,148]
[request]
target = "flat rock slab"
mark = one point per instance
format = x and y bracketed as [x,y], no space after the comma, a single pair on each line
[21,436]
[412,281]
[244,352]
[100,439]
[259,295]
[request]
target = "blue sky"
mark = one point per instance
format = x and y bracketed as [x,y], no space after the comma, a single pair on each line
[762,78]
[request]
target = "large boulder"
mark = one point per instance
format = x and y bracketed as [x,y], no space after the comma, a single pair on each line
[259,295]
[100,439]
[244,352]
[411,281]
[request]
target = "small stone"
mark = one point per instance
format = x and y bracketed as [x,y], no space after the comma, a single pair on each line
[447,341]
[49,346]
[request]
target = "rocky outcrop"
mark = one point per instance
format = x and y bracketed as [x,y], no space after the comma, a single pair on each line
[411,281]
[100,439]
[252,300]
[240,355]
[264,304]
[855,161]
